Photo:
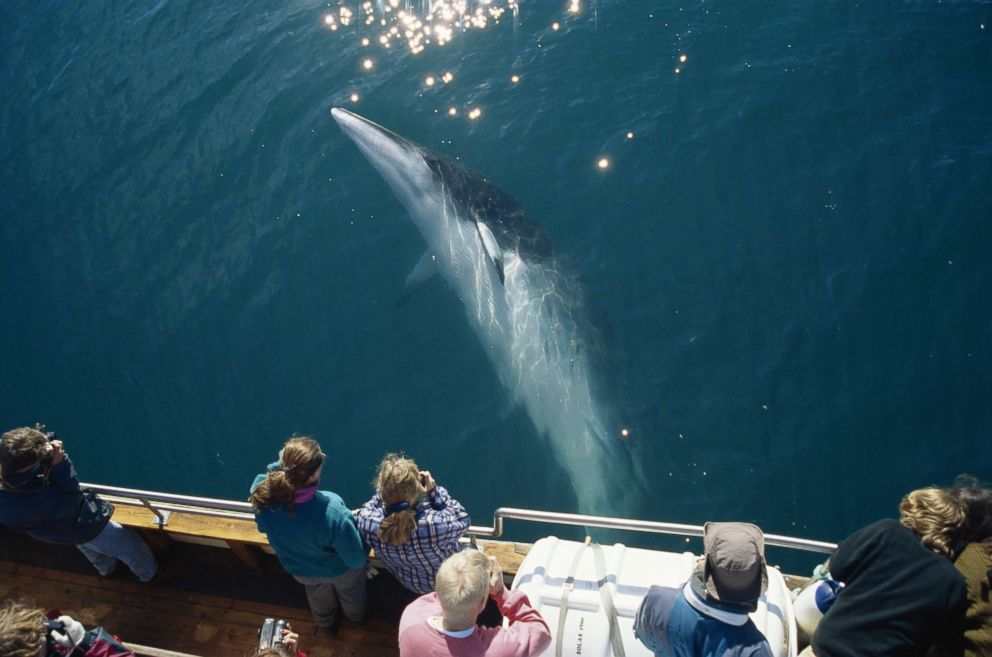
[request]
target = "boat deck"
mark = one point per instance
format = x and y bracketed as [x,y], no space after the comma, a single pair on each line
[213,609]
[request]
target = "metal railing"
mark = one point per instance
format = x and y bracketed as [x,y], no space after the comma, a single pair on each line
[163,504]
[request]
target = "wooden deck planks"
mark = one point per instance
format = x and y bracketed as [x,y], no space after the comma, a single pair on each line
[206,625]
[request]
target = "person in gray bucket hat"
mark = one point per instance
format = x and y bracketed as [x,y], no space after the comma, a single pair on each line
[708,615]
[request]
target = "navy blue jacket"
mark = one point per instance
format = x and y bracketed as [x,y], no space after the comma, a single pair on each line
[54,512]
[670,627]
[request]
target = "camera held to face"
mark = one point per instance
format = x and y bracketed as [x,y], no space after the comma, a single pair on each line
[270,634]
[49,436]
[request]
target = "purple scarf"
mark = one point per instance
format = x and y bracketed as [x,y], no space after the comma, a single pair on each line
[306,493]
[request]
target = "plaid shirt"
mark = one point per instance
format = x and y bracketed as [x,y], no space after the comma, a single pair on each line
[415,562]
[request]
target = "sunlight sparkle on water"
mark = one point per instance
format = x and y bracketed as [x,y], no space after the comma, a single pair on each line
[630,135]
[603,163]
[514,79]
[367,64]
[354,98]
[474,113]
[427,22]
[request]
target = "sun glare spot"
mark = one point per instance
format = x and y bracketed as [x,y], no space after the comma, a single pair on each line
[603,163]
[514,79]
[555,26]
[474,113]
[630,135]
[354,98]
[452,111]
[429,80]
[419,24]
[367,64]
[683,58]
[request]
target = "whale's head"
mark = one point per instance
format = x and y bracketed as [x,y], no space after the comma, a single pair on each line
[432,186]
[400,162]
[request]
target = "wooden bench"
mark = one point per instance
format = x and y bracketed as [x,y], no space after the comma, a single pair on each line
[241,536]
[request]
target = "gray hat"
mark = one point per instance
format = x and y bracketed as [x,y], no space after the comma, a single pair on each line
[734,572]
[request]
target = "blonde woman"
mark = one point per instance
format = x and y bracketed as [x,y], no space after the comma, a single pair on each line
[312,532]
[412,523]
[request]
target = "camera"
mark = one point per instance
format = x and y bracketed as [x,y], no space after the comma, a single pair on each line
[50,643]
[270,634]
[49,436]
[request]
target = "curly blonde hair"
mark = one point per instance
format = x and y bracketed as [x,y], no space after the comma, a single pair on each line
[935,516]
[21,629]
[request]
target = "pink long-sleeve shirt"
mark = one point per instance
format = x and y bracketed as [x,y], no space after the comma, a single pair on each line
[527,635]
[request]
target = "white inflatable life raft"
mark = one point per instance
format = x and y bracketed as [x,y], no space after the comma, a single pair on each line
[554,566]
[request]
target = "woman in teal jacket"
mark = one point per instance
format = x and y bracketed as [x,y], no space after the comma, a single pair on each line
[313,533]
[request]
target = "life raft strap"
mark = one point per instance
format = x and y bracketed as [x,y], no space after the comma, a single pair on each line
[608,607]
[566,589]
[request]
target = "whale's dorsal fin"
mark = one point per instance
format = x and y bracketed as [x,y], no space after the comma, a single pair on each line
[422,272]
[492,248]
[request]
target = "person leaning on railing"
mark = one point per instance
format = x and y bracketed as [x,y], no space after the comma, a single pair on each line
[40,496]
[412,523]
[312,532]
[901,594]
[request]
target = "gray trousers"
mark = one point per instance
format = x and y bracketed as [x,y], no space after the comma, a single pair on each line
[326,594]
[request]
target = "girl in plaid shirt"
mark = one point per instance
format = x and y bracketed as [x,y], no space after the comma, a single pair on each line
[411,535]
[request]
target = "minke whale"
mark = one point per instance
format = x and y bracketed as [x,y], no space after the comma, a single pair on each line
[528,314]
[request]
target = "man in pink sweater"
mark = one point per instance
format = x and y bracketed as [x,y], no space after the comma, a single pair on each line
[442,624]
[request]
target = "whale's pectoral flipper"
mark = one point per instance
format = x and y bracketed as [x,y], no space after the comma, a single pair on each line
[422,272]
[492,248]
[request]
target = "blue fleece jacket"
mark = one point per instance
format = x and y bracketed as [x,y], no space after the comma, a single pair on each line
[54,511]
[319,539]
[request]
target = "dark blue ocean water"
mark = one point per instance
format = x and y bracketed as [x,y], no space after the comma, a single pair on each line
[789,259]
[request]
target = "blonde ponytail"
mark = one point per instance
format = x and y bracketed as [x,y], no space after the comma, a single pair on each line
[396,528]
[398,481]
